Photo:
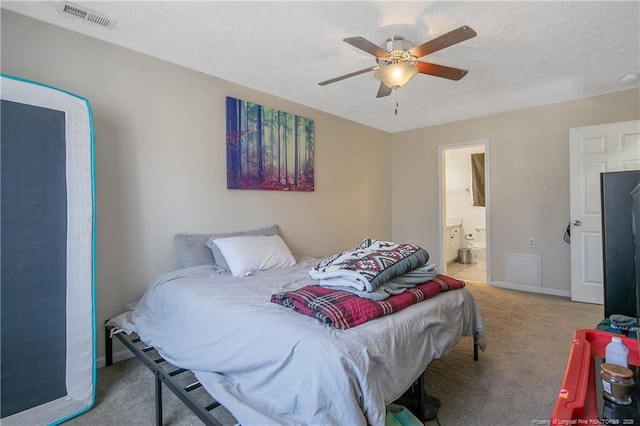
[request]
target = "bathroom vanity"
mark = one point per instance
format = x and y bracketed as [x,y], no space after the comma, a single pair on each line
[453,230]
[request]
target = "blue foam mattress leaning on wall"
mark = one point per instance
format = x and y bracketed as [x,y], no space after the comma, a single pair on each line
[47,280]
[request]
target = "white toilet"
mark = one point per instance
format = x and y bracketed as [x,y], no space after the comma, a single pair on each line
[479,247]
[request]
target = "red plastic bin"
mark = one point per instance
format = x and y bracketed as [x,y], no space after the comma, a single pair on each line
[576,402]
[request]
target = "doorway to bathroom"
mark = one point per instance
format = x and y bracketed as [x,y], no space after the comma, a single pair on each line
[464,210]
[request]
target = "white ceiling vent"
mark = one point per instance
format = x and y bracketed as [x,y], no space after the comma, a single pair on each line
[87,15]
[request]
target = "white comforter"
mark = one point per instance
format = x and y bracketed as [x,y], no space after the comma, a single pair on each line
[270,365]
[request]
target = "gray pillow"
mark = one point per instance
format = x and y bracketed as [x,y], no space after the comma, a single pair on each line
[192,249]
[219,259]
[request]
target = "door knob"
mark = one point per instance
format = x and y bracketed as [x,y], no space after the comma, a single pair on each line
[577,223]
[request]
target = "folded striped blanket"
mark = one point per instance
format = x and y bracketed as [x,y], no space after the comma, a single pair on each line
[341,309]
[370,264]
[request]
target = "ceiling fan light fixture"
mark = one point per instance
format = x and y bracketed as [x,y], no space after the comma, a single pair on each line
[399,62]
[396,75]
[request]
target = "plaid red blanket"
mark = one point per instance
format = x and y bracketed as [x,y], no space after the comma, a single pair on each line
[341,309]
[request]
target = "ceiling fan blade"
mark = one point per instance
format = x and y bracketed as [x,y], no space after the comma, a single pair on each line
[383,91]
[342,77]
[449,39]
[441,71]
[364,44]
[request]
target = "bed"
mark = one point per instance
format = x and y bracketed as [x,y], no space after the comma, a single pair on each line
[267,364]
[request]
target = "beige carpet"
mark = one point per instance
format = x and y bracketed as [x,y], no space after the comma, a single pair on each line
[515,382]
[517,379]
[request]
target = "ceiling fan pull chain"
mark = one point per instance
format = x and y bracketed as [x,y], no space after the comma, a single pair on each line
[396,108]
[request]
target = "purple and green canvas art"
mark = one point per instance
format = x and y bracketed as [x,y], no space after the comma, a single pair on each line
[268,149]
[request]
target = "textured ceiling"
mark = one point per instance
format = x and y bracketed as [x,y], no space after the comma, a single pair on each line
[525,54]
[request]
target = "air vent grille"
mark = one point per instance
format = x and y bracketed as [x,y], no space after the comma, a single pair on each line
[87,15]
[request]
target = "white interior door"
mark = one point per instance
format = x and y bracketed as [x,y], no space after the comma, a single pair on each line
[593,150]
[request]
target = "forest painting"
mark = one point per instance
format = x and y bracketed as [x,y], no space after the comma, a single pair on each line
[267,148]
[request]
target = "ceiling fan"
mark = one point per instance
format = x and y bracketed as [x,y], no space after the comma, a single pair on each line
[400,62]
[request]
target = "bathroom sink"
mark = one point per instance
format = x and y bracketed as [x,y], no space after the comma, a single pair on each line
[451,222]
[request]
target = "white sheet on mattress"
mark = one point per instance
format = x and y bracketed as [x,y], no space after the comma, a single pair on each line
[270,365]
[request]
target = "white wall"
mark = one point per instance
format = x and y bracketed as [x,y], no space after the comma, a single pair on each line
[160,160]
[529,173]
[458,191]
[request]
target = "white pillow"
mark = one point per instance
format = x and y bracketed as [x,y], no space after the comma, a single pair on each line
[249,254]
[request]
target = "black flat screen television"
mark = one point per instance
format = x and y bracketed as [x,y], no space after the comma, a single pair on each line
[618,243]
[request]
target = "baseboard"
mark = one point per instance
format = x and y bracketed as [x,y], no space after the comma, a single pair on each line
[531,289]
[117,357]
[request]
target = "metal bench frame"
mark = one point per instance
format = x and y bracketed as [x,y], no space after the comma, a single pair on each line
[165,373]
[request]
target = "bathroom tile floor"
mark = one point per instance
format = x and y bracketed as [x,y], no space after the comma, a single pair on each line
[466,272]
